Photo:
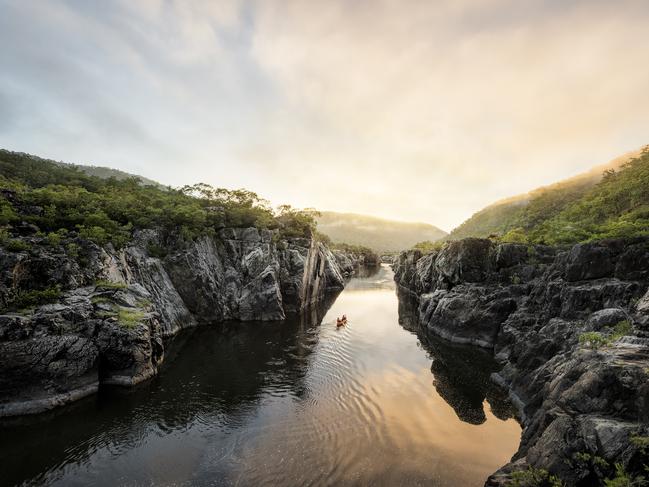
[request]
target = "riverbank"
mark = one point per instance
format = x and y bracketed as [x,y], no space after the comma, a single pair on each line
[107,311]
[252,403]
[569,326]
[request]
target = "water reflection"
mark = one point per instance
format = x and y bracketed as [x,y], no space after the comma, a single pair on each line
[461,372]
[300,402]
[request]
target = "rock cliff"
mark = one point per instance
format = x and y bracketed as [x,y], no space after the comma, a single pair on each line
[571,330]
[110,309]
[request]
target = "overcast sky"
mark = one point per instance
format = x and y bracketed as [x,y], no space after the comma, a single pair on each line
[415,110]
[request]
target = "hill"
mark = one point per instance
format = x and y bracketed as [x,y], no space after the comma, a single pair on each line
[529,210]
[59,200]
[379,234]
[96,171]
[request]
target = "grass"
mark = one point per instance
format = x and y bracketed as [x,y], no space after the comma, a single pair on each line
[596,340]
[129,318]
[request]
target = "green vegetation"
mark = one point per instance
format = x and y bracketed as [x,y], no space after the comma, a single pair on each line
[590,462]
[642,443]
[593,340]
[428,247]
[590,207]
[596,340]
[110,284]
[64,201]
[535,477]
[624,479]
[381,235]
[15,245]
[129,318]
[368,254]
[29,299]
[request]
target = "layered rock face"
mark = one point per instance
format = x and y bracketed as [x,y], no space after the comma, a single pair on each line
[115,307]
[571,329]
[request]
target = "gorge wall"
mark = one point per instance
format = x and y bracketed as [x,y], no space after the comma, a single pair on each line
[107,324]
[571,330]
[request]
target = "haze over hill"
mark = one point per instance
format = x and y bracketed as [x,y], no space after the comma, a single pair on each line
[506,214]
[98,171]
[376,233]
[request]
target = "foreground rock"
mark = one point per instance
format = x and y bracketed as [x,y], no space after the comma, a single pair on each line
[571,329]
[111,309]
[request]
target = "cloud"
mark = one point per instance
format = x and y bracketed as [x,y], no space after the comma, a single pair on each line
[419,110]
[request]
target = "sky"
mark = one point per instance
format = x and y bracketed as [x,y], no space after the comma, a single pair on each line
[412,110]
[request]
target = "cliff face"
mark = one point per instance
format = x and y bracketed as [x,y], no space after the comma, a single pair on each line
[108,323]
[571,330]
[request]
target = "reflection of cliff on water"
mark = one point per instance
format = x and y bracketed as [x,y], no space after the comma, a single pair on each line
[214,376]
[460,372]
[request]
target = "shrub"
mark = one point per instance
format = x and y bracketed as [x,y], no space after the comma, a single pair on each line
[641,442]
[16,245]
[593,339]
[516,235]
[623,328]
[623,479]
[54,238]
[28,299]
[72,249]
[535,477]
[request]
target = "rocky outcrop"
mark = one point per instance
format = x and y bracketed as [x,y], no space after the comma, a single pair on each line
[571,330]
[112,308]
[350,262]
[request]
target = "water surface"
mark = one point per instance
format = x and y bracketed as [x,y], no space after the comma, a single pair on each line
[293,403]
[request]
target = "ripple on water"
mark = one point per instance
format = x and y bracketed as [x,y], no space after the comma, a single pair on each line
[293,403]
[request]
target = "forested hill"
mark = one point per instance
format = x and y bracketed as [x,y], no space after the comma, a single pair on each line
[609,201]
[376,233]
[60,201]
[98,171]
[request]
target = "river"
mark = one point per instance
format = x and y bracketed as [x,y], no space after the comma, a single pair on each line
[292,403]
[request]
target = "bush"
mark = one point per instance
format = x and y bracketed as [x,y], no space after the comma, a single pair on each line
[623,328]
[28,299]
[535,477]
[16,245]
[623,479]
[641,442]
[54,238]
[593,340]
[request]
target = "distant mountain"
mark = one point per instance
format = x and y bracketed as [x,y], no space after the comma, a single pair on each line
[529,209]
[378,234]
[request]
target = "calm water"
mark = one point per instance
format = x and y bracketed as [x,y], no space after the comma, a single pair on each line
[293,403]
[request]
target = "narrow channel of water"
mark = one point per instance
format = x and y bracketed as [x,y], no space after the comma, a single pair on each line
[284,404]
